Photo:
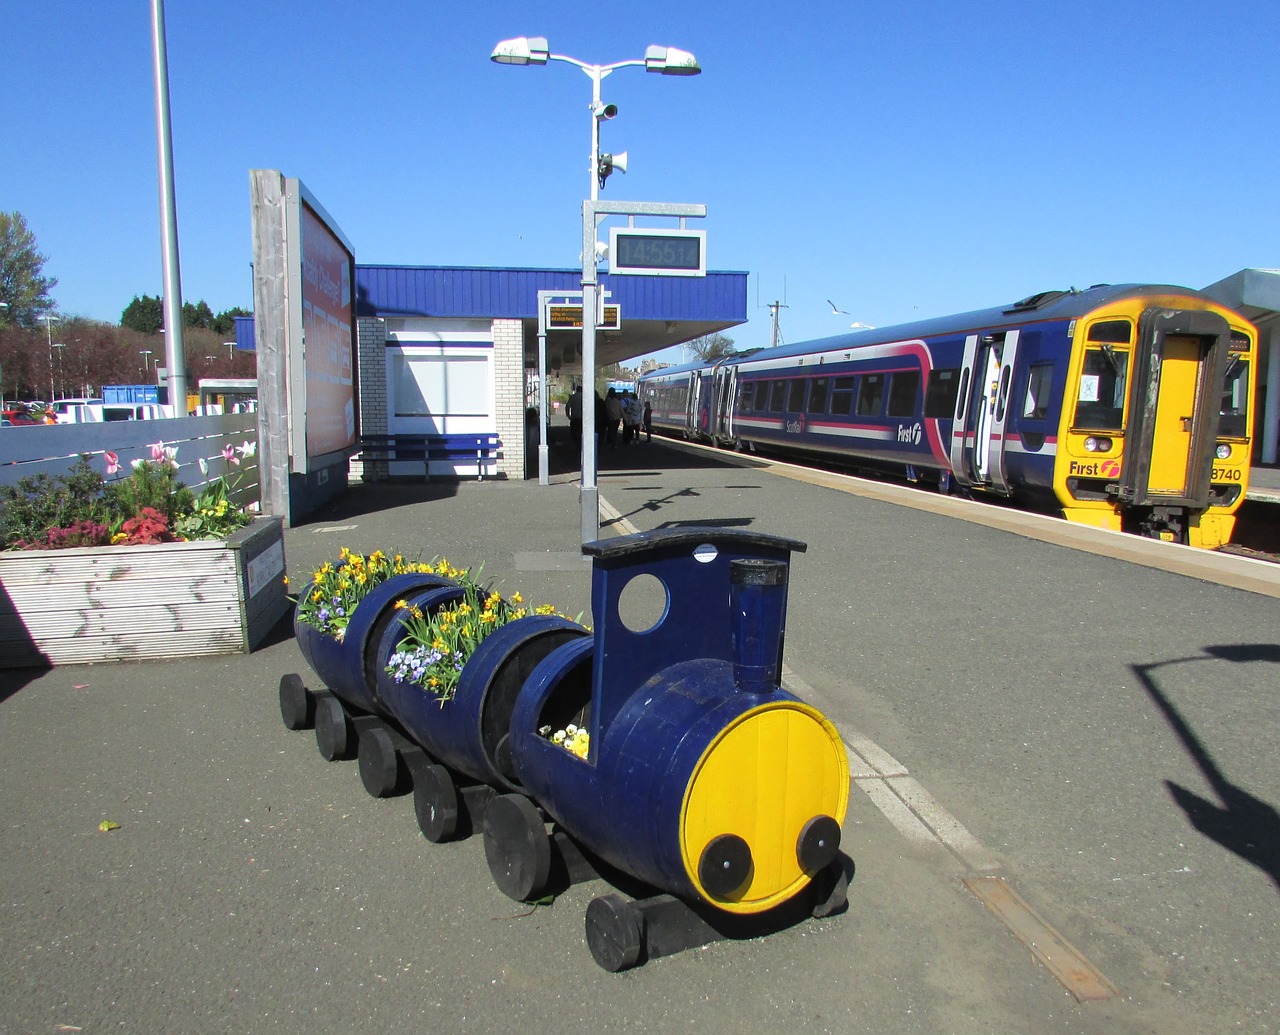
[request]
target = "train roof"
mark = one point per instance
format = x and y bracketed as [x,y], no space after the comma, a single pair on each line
[1046,305]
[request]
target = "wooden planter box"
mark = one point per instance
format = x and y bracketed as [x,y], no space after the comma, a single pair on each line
[115,603]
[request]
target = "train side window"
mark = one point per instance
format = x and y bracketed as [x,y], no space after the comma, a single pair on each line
[870,395]
[904,389]
[1100,399]
[795,397]
[1116,332]
[940,395]
[842,396]
[1036,405]
[1235,394]
[818,395]
[777,395]
[1003,398]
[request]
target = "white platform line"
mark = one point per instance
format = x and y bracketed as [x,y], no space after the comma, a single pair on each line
[899,796]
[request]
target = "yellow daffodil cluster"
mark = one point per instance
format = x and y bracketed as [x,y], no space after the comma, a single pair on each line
[437,644]
[336,589]
[574,739]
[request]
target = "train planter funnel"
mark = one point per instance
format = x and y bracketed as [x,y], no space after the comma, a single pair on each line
[705,781]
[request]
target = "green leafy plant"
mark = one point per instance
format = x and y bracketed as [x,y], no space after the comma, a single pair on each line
[39,504]
[213,515]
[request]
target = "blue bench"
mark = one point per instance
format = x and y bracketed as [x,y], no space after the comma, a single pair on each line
[425,448]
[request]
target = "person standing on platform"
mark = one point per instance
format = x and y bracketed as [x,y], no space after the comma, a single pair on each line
[612,416]
[646,421]
[573,410]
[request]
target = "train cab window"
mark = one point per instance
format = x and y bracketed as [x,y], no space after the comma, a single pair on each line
[1235,393]
[870,395]
[940,396]
[795,395]
[777,395]
[842,396]
[1115,332]
[1036,405]
[1100,398]
[818,395]
[904,389]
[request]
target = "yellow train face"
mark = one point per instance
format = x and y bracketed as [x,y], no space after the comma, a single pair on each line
[763,808]
[1150,376]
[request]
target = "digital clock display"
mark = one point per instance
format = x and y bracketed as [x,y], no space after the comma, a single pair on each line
[659,252]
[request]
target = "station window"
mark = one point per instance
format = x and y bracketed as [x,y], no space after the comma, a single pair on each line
[795,395]
[1036,405]
[818,395]
[904,388]
[940,396]
[1100,399]
[842,395]
[870,395]
[777,395]
[1235,394]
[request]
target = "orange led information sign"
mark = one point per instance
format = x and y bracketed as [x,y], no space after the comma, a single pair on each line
[568,317]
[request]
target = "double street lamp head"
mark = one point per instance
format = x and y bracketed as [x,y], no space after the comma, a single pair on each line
[533,50]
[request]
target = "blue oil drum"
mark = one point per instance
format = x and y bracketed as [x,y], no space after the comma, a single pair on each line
[703,777]
[348,667]
[469,732]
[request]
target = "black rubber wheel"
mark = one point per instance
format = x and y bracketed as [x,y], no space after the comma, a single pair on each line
[517,847]
[297,703]
[435,802]
[379,763]
[333,729]
[615,932]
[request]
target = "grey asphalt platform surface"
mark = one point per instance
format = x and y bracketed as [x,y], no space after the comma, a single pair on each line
[1056,708]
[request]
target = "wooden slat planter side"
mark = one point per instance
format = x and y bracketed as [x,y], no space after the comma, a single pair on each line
[114,603]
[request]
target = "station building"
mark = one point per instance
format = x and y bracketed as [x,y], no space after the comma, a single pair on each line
[454,349]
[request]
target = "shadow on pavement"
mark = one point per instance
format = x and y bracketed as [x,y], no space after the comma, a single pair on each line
[1242,823]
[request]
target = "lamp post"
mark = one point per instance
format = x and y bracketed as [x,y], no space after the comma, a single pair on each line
[231,351]
[146,364]
[60,345]
[526,50]
[49,321]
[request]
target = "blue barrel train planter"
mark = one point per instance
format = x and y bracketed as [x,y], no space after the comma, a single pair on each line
[721,794]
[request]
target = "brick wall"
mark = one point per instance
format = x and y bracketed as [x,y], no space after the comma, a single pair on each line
[508,377]
[371,340]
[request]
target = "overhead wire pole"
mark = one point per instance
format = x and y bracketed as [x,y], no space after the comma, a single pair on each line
[174,353]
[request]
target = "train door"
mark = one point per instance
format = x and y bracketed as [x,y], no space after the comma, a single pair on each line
[1174,408]
[982,409]
[722,399]
[692,391]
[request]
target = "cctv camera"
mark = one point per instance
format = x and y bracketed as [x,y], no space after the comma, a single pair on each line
[604,112]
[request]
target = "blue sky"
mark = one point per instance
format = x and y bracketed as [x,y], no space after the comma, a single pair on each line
[901,160]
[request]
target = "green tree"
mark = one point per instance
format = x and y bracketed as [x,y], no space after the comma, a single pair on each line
[196,315]
[24,289]
[144,314]
[225,322]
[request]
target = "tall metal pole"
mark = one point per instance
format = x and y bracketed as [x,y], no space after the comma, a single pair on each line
[590,492]
[174,354]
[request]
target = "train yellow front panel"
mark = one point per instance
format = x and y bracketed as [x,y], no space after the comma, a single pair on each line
[763,778]
[1171,445]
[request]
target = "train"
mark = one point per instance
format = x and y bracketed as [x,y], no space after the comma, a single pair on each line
[701,781]
[1126,407]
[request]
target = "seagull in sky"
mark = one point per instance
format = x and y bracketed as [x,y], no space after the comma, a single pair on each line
[834,310]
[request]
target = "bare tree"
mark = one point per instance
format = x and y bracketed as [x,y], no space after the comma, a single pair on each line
[712,346]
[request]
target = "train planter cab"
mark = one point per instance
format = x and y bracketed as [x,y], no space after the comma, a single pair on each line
[719,793]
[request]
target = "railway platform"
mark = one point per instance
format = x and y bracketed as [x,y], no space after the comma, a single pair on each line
[1060,742]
